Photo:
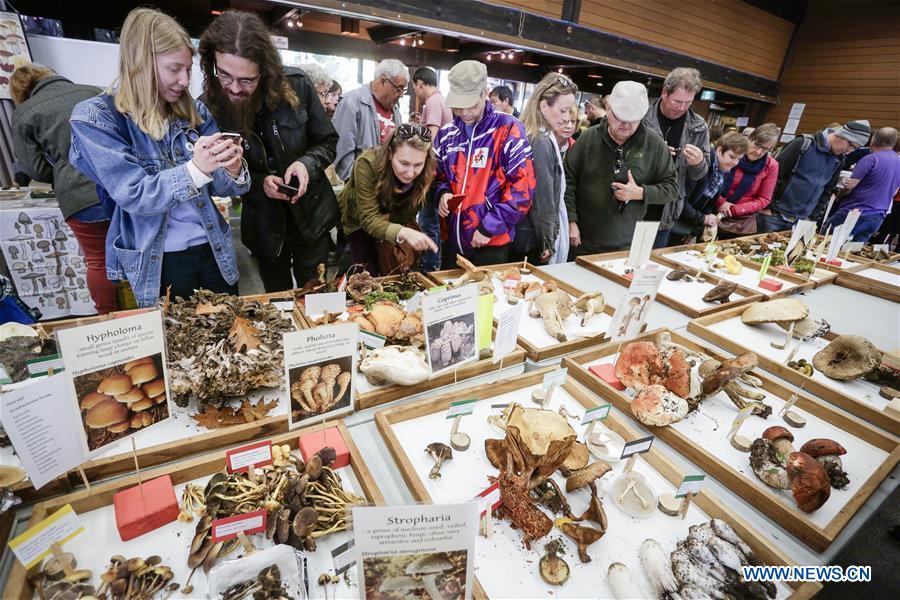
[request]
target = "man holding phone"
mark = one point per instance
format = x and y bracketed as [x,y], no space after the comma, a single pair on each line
[484,169]
[288,143]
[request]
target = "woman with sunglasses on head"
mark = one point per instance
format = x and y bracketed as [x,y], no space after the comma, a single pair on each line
[546,117]
[387,187]
[748,188]
[158,157]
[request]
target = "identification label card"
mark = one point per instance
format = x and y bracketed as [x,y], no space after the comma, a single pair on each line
[461,408]
[371,339]
[450,322]
[332,302]
[247,523]
[489,497]
[33,545]
[689,485]
[637,446]
[251,455]
[40,366]
[283,305]
[595,414]
[344,557]
[507,332]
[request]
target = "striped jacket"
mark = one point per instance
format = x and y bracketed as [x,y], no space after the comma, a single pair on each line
[493,170]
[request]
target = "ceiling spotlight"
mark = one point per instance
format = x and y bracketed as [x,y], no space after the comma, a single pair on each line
[402,41]
[559,70]
[599,84]
[290,23]
[489,56]
[421,41]
[450,44]
[299,23]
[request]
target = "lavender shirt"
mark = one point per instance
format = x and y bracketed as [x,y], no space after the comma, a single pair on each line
[879,176]
[435,111]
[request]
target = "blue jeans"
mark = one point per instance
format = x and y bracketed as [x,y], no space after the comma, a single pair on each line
[430,225]
[662,238]
[864,229]
[773,222]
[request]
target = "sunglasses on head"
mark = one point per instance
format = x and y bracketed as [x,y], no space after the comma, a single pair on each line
[407,131]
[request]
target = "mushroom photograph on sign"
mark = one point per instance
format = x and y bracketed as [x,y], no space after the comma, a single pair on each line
[439,575]
[118,401]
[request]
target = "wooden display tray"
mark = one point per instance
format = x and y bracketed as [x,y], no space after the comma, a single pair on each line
[741,295]
[869,285]
[534,352]
[825,390]
[798,283]
[824,276]
[655,458]
[779,507]
[390,393]
[99,469]
[101,496]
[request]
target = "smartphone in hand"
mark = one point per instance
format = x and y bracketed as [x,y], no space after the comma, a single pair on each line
[231,136]
[287,189]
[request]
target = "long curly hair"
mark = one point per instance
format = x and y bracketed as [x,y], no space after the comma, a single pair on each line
[387,183]
[245,35]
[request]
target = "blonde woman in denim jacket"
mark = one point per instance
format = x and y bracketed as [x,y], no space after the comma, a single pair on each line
[159,157]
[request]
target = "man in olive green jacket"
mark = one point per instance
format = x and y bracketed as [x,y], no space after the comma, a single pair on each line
[614,171]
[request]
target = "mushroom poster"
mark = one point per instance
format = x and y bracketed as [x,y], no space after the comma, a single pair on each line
[319,365]
[13,46]
[415,551]
[45,260]
[449,319]
[118,376]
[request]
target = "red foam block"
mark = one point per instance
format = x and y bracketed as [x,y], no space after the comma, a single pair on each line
[331,437]
[142,509]
[771,284]
[836,262]
[607,372]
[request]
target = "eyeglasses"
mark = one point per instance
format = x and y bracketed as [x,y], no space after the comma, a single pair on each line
[407,131]
[400,89]
[226,79]
[759,146]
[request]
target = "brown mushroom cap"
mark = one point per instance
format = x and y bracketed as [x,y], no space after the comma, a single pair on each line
[439,450]
[132,395]
[138,361]
[146,419]
[810,483]
[142,404]
[119,427]
[115,385]
[93,399]
[746,362]
[143,373]
[304,521]
[136,422]
[578,457]
[587,475]
[154,388]
[822,447]
[776,432]
[781,310]
[105,414]
[847,357]
[716,381]
[495,451]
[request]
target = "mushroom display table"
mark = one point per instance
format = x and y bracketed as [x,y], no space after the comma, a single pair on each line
[44,258]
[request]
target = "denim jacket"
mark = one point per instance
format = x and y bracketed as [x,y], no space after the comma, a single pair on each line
[147,178]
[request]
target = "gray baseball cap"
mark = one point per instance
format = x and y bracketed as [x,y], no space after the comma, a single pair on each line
[628,101]
[468,80]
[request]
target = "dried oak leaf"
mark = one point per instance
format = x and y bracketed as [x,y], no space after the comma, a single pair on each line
[243,335]
[205,308]
[247,412]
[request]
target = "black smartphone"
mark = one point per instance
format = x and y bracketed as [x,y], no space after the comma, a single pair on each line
[288,189]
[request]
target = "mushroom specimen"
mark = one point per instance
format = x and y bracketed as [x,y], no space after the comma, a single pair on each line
[553,306]
[721,292]
[768,464]
[427,569]
[588,305]
[727,375]
[401,365]
[537,443]
[359,285]
[553,569]
[781,311]
[582,536]
[810,484]
[623,583]
[828,453]
[440,453]
[847,357]
[656,565]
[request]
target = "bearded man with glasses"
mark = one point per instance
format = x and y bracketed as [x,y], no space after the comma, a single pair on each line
[288,143]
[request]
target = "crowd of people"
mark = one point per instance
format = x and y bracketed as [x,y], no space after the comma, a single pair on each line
[136,167]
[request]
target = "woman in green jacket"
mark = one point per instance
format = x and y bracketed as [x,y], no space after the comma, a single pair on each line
[387,187]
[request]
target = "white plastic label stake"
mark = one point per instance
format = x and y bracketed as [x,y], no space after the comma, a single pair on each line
[283,305]
[461,408]
[642,243]
[557,377]
[637,447]
[344,557]
[249,456]
[742,416]
[371,339]
[35,543]
[507,332]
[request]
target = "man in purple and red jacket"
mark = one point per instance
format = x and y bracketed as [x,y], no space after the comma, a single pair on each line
[484,173]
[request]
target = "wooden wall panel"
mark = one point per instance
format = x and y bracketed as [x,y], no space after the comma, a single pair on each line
[718,31]
[550,8]
[845,64]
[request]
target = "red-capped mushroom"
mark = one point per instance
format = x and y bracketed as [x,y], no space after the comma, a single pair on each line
[810,484]
[638,365]
[678,374]
[828,453]
[781,438]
